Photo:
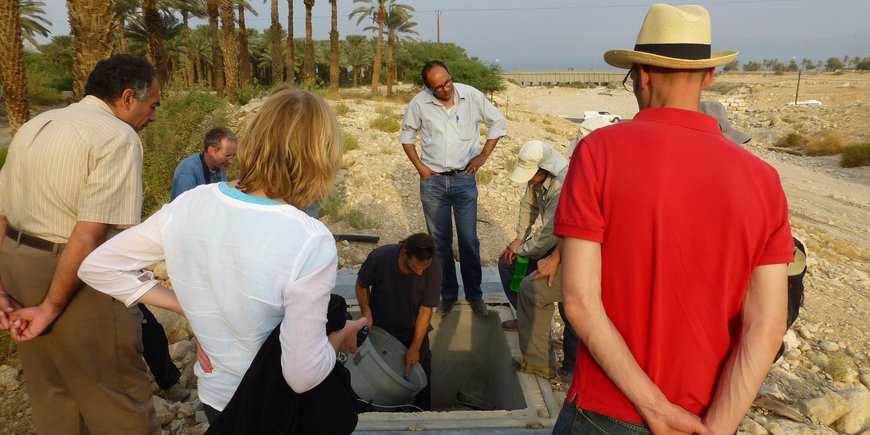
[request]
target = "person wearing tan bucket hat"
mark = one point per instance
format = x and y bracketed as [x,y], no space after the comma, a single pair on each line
[674,251]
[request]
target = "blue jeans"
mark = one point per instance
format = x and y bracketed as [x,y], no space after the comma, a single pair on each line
[440,195]
[506,273]
[576,421]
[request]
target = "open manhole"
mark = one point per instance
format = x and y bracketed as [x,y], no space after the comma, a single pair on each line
[472,355]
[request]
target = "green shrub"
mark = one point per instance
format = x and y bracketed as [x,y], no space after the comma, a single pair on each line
[250,92]
[577,85]
[341,109]
[838,365]
[45,79]
[358,219]
[552,130]
[3,153]
[856,154]
[546,122]
[792,140]
[331,206]
[411,56]
[829,144]
[510,163]
[484,176]
[350,141]
[388,124]
[183,119]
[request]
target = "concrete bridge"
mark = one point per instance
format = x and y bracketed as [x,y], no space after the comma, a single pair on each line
[536,78]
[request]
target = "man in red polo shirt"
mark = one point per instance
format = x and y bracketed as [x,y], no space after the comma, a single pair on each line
[674,253]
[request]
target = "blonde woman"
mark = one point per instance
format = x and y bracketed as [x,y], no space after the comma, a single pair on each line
[245,259]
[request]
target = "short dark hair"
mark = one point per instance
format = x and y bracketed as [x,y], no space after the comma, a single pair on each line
[419,245]
[112,76]
[428,66]
[215,136]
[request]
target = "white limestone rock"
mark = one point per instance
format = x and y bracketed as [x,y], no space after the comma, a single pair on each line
[857,419]
[826,409]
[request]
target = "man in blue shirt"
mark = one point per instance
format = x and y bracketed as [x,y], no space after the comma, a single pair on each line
[208,166]
[448,116]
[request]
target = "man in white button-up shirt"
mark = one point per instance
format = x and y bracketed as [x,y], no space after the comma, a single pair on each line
[448,116]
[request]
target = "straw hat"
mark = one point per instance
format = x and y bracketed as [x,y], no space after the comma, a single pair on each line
[676,37]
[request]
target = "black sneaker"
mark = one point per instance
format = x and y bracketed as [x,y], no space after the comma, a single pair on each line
[479,307]
[446,305]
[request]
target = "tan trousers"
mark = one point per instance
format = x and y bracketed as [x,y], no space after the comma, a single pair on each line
[85,374]
[536,305]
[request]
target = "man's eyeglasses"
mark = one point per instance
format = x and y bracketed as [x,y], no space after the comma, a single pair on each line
[627,82]
[441,87]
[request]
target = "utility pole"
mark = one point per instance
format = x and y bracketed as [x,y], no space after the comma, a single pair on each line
[438,26]
[798,89]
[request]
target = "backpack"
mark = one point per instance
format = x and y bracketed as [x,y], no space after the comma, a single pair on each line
[796,271]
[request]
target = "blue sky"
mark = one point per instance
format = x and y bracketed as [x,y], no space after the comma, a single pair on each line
[558,34]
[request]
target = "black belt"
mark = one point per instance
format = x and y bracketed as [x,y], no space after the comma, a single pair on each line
[452,172]
[32,241]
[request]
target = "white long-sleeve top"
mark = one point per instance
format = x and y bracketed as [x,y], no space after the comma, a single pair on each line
[239,265]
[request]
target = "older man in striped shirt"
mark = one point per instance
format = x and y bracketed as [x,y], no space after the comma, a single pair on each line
[72,177]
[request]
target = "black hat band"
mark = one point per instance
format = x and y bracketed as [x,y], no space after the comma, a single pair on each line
[677,51]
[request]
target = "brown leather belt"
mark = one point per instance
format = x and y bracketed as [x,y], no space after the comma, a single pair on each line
[32,241]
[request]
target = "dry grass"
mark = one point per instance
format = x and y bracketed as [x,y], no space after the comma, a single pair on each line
[839,366]
[829,144]
[8,350]
[341,109]
[385,123]
[350,141]
[385,111]
[484,176]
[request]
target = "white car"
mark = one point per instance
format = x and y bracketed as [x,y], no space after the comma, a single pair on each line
[605,115]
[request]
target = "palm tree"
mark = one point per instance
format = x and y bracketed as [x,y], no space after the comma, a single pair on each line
[244,54]
[60,52]
[200,49]
[358,53]
[333,48]
[12,77]
[138,33]
[275,34]
[376,10]
[308,58]
[399,26]
[156,50]
[261,55]
[291,61]
[188,9]
[31,14]
[231,61]
[124,10]
[217,58]
[91,23]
